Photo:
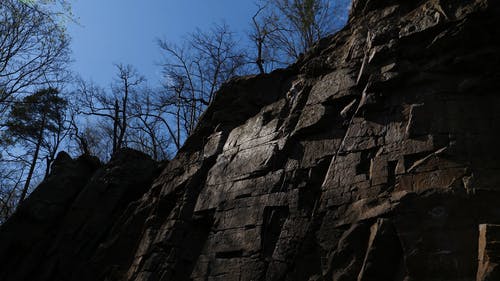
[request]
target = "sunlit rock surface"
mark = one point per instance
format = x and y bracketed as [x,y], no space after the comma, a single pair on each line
[373,158]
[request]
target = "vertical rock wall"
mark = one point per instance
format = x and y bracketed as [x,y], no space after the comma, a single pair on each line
[372,158]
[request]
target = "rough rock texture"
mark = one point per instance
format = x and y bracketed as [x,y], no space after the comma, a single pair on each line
[372,158]
[61,225]
[489,252]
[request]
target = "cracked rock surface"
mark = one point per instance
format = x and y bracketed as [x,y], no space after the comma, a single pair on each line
[372,158]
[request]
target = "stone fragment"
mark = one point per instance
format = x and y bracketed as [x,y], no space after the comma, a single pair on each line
[488,253]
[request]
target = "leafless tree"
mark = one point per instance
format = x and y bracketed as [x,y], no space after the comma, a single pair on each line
[88,137]
[264,29]
[115,107]
[150,129]
[34,49]
[11,180]
[195,70]
[287,28]
[123,88]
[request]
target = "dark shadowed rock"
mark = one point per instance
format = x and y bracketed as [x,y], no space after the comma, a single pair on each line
[60,226]
[489,252]
[372,158]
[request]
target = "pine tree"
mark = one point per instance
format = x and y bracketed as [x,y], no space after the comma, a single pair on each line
[34,121]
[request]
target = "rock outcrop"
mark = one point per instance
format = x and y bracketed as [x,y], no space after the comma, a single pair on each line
[371,158]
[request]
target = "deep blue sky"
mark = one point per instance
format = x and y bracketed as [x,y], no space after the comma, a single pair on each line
[125,31]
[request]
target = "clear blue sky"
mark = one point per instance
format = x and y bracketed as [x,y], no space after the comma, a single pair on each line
[125,31]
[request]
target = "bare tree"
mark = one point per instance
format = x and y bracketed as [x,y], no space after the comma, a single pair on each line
[287,28]
[88,137]
[34,53]
[262,29]
[114,108]
[195,70]
[123,88]
[151,132]
[34,49]
[91,113]
[11,179]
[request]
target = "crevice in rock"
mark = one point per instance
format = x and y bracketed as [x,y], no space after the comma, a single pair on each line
[292,110]
[391,174]
[310,194]
[273,220]
[229,254]
[411,159]
[308,259]
[383,253]
[364,164]
[346,260]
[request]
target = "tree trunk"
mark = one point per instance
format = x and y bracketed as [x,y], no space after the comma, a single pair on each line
[178,120]
[32,168]
[259,60]
[124,115]
[33,162]
[115,127]
[47,167]
[50,159]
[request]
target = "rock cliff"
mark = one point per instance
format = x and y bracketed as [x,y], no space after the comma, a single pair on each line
[372,158]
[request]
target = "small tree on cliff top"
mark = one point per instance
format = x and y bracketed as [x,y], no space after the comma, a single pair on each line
[37,122]
[283,29]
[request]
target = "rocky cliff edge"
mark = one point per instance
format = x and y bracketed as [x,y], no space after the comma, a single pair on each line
[374,157]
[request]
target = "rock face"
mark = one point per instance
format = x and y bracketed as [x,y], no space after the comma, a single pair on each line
[372,158]
[62,224]
[489,252]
